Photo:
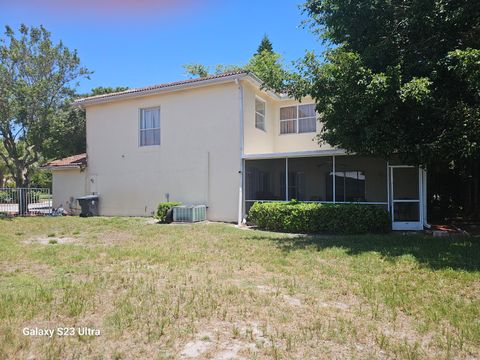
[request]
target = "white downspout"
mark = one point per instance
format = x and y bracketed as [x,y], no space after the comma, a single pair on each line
[241,171]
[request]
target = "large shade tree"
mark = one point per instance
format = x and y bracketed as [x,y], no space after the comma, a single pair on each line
[37,80]
[400,77]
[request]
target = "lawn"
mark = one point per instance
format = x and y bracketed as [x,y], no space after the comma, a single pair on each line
[215,291]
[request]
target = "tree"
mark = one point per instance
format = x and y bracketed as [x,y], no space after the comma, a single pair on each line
[265,45]
[401,77]
[265,63]
[100,90]
[200,70]
[66,134]
[37,78]
[3,170]
[269,67]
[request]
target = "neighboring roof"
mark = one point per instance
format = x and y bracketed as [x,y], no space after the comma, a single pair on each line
[172,86]
[75,161]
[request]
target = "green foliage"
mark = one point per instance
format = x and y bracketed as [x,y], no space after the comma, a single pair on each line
[402,78]
[7,196]
[200,70]
[162,209]
[3,169]
[100,90]
[37,78]
[196,70]
[41,179]
[265,63]
[66,134]
[298,217]
[33,196]
[265,45]
[268,66]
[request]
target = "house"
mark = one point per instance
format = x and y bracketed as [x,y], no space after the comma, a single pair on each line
[226,142]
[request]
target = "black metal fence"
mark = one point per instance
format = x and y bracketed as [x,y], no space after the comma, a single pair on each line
[25,201]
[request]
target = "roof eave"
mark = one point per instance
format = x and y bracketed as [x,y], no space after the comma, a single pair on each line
[60,167]
[129,95]
[256,81]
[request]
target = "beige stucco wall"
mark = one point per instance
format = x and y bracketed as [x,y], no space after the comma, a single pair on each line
[271,141]
[257,141]
[198,160]
[67,185]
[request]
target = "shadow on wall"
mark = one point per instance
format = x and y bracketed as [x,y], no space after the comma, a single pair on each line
[458,253]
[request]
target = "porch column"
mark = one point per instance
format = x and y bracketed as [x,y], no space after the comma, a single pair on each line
[388,189]
[334,190]
[286,179]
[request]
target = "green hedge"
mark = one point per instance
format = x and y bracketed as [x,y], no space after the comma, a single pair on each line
[298,217]
[163,208]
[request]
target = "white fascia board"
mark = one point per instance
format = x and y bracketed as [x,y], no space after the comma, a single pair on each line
[60,168]
[295,154]
[167,89]
[255,81]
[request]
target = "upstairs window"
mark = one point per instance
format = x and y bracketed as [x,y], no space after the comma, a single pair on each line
[298,119]
[260,114]
[149,127]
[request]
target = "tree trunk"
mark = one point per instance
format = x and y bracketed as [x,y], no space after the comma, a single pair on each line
[22,199]
[21,181]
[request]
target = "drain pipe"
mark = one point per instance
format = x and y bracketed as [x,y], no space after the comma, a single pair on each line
[241,171]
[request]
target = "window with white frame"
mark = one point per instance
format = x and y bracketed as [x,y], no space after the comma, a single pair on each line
[298,119]
[259,114]
[149,127]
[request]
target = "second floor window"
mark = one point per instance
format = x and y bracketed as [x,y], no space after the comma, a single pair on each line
[259,114]
[150,127]
[298,119]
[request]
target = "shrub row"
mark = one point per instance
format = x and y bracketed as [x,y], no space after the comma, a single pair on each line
[298,217]
[163,208]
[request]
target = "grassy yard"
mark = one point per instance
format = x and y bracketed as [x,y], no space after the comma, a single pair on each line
[215,291]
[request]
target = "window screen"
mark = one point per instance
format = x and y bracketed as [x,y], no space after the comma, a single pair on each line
[260,114]
[150,127]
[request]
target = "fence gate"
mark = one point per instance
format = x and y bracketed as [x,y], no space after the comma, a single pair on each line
[25,201]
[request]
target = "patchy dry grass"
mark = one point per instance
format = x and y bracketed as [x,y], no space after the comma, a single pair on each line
[213,291]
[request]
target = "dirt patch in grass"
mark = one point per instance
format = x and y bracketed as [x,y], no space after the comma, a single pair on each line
[51,240]
[223,340]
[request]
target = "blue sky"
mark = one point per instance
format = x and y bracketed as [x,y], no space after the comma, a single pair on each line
[137,47]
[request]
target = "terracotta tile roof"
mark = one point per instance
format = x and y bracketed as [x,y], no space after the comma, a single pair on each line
[106,97]
[79,160]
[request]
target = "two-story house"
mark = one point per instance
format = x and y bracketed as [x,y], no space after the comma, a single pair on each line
[225,142]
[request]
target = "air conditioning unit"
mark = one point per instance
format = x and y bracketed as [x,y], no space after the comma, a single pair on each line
[189,213]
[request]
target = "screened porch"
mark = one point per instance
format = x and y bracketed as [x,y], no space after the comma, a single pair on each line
[340,179]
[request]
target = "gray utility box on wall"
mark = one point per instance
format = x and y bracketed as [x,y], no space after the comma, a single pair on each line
[189,213]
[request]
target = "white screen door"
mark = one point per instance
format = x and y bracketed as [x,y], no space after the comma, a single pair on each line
[406,197]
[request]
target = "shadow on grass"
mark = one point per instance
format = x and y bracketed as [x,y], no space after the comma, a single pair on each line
[458,253]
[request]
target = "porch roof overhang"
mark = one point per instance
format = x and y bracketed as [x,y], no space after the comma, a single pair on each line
[294,154]
[72,162]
